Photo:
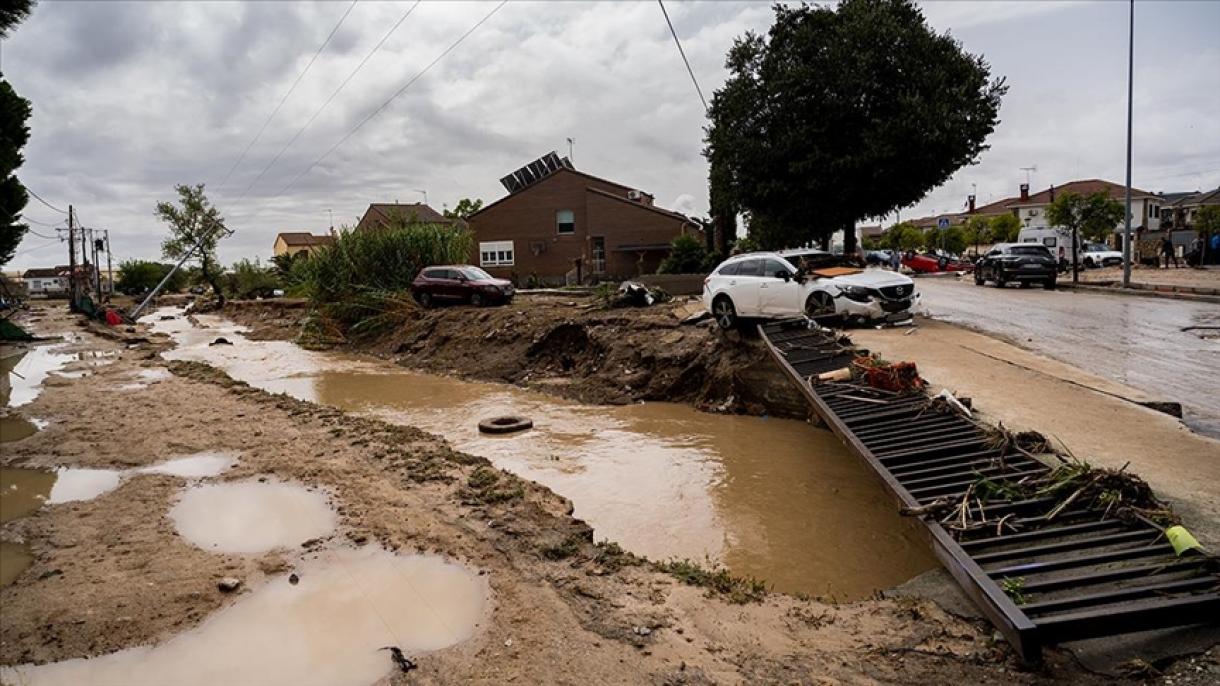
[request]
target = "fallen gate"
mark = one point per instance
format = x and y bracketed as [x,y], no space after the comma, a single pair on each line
[1066,573]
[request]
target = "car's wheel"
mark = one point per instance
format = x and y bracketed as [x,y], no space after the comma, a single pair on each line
[1049,284]
[724,312]
[477,300]
[819,304]
[999,279]
[425,299]
[1025,284]
[978,277]
[1088,263]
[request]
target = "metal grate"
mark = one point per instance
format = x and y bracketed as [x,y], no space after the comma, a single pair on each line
[1078,574]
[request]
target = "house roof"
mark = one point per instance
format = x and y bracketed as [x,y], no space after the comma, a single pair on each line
[423,213]
[295,238]
[652,208]
[46,272]
[1194,199]
[1084,187]
[543,180]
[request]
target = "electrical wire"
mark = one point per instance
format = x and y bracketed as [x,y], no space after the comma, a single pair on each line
[39,199]
[42,223]
[683,54]
[324,105]
[391,99]
[289,92]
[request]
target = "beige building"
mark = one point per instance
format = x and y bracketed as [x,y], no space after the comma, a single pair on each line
[293,242]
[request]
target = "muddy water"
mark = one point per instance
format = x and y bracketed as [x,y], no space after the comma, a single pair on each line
[14,558]
[324,631]
[775,499]
[251,517]
[24,373]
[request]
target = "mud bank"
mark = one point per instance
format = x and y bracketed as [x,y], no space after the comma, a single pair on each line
[112,574]
[568,348]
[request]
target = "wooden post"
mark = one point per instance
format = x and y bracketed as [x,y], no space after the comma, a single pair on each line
[71,258]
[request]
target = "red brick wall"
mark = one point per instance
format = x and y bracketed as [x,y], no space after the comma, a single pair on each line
[529,217]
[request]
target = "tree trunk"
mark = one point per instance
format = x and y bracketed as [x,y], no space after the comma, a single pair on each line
[206,267]
[824,242]
[849,240]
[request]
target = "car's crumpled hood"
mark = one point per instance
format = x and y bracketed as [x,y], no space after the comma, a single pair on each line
[872,278]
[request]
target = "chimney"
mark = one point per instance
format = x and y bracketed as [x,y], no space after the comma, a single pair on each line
[1025,191]
[333,233]
[1052,189]
[970,200]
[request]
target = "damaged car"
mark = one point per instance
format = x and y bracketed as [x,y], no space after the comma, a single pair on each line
[460,283]
[814,283]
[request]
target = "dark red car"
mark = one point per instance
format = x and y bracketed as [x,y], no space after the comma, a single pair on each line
[928,263]
[460,283]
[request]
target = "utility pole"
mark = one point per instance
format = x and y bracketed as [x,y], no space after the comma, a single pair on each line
[109,269]
[97,266]
[1130,90]
[71,258]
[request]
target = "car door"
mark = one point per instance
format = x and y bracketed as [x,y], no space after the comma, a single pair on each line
[743,286]
[776,295]
[447,285]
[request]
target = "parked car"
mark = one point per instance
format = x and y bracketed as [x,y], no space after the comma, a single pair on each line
[1098,255]
[877,257]
[786,283]
[460,283]
[1024,263]
[929,263]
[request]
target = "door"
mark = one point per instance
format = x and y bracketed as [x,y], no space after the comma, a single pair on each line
[776,295]
[743,287]
[597,251]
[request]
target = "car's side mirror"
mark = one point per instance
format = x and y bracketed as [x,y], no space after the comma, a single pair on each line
[783,274]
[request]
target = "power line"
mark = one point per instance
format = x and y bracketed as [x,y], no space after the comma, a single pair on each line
[683,54]
[42,235]
[39,199]
[324,105]
[42,223]
[393,97]
[284,99]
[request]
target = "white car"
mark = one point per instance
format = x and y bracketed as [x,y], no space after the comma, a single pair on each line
[1098,255]
[785,284]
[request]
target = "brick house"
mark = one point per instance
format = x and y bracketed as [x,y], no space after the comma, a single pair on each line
[561,225]
[380,213]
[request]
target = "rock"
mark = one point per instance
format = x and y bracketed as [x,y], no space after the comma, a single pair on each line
[642,631]
[229,584]
[294,579]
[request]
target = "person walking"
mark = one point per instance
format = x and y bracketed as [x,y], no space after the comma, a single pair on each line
[895,259]
[1168,252]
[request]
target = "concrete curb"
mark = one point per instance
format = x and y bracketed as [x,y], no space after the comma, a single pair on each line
[1142,291]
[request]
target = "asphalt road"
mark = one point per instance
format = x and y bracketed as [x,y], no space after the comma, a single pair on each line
[1137,341]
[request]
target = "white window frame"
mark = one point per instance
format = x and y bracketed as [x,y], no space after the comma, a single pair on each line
[496,254]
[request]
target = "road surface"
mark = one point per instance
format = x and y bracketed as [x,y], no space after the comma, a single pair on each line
[1145,343]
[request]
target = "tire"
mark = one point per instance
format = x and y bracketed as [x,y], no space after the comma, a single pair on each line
[477,299]
[505,425]
[819,305]
[1025,284]
[1049,284]
[978,277]
[1089,264]
[425,299]
[724,312]
[999,279]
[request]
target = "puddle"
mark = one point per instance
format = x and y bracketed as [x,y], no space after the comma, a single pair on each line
[776,499]
[197,466]
[22,375]
[14,558]
[73,484]
[24,490]
[251,517]
[324,631]
[14,427]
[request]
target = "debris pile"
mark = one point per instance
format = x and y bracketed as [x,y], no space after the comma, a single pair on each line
[899,377]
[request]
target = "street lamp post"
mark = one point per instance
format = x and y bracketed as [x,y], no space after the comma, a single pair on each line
[1130,84]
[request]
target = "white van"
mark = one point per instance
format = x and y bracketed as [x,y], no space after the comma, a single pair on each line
[1058,241]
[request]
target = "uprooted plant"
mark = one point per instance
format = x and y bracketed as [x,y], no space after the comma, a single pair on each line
[898,377]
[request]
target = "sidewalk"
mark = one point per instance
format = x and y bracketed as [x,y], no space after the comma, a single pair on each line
[1185,280]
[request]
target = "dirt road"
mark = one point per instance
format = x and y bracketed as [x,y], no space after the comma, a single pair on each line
[1138,342]
[115,571]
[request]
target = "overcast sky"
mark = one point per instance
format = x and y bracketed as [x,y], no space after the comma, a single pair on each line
[131,98]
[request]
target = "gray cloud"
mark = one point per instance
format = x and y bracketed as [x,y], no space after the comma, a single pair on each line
[131,98]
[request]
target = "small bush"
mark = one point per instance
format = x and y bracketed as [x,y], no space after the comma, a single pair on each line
[686,256]
[716,580]
[564,549]
[482,478]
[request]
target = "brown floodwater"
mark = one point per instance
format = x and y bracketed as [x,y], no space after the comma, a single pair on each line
[776,499]
[326,630]
[14,558]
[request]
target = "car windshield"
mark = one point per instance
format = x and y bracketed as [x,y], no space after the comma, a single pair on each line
[475,274]
[810,261]
[1094,247]
[1029,250]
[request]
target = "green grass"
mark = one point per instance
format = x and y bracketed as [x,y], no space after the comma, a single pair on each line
[717,580]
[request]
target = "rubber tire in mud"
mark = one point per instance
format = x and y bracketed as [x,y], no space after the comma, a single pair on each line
[999,279]
[978,278]
[724,312]
[425,300]
[505,425]
[1049,284]
[477,300]
[819,304]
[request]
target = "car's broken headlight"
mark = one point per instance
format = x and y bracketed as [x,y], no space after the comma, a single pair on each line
[858,293]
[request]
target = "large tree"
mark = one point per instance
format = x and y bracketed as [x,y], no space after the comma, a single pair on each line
[464,208]
[195,227]
[14,112]
[844,113]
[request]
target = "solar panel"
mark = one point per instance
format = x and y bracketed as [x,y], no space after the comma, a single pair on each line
[535,171]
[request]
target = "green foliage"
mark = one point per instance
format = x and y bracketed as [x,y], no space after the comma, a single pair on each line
[140,276]
[747,243]
[1015,588]
[717,580]
[953,239]
[564,549]
[976,231]
[686,256]
[1004,228]
[841,113]
[12,13]
[249,279]
[904,236]
[464,208]
[14,112]
[1093,217]
[194,220]
[1207,219]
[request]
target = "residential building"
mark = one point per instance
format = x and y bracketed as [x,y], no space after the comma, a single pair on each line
[47,282]
[559,225]
[1145,206]
[379,214]
[293,242]
[1181,209]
